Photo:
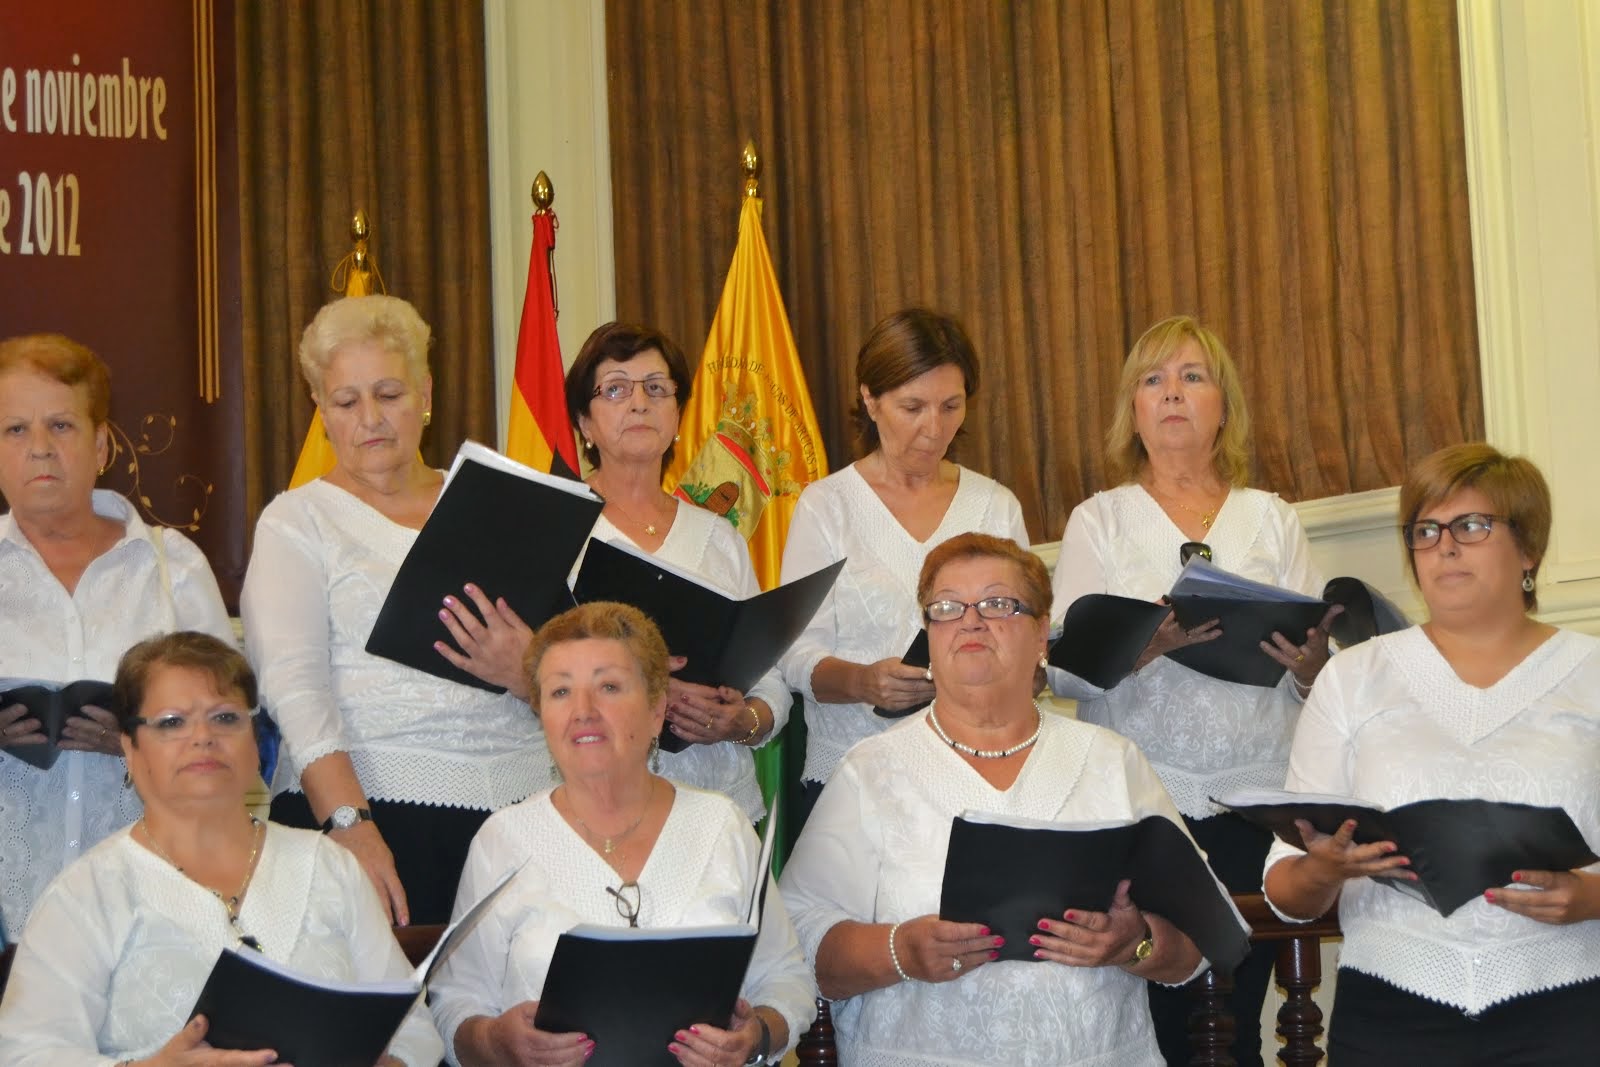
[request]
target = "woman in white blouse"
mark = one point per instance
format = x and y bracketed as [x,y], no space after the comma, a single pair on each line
[916,371]
[1481,701]
[1178,447]
[616,845]
[122,942]
[864,881]
[399,766]
[82,577]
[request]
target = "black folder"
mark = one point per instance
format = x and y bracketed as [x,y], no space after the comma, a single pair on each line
[1102,637]
[52,705]
[1458,848]
[727,641]
[1008,877]
[1249,613]
[916,655]
[1367,612]
[511,530]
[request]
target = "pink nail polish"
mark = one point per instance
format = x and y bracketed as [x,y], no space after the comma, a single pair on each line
[986,932]
[1070,917]
[450,601]
[1043,925]
[1516,876]
[1488,894]
[444,616]
[1038,955]
[1033,940]
[999,942]
[993,955]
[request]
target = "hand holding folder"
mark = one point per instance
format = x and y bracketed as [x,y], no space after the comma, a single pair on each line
[51,706]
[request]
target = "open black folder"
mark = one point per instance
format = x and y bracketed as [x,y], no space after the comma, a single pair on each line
[916,655]
[1458,848]
[727,641]
[1102,636]
[1010,875]
[510,530]
[52,705]
[1367,612]
[253,1002]
[630,990]
[1249,613]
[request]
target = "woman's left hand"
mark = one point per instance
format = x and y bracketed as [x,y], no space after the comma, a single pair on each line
[705,715]
[92,730]
[1092,938]
[492,640]
[1554,897]
[707,1046]
[1305,661]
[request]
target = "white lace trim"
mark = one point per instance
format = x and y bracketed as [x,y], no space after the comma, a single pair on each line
[484,783]
[858,1055]
[1471,977]
[1192,792]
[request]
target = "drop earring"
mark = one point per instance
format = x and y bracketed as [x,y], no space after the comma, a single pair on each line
[1527,581]
[655,756]
[1044,660]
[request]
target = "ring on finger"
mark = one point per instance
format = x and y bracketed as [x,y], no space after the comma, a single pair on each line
[1300,658]
[955,964]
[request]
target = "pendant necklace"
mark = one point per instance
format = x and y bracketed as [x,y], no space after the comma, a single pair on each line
[608,845]
[230,903]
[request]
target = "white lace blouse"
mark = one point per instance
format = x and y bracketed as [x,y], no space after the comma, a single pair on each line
[1390,722]
[872,611]
[121,944]
[699,874]
[322,565]
[48,818]
[707,545]
[873,851]
[1205,737]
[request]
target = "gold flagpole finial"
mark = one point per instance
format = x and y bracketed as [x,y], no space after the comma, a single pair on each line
[360,230]
[544,193]
[750,163]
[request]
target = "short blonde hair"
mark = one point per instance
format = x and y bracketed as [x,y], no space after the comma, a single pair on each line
[68,362]
[388,321]
[602,620]
[1514,486]
[1035,592]
[1126,457]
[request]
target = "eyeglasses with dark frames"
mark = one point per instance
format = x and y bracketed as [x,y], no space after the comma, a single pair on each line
[627,899]
[1190,549]
[1466,529]
[992,607]
[620,389]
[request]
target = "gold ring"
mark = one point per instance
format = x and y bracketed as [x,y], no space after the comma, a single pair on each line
[1301,657]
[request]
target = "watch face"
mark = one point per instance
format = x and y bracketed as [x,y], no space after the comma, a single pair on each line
[344,817]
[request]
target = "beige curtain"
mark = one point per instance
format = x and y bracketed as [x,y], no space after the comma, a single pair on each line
[1060,175]
[346,104]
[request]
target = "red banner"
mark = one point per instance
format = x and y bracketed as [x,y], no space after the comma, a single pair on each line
[119,228]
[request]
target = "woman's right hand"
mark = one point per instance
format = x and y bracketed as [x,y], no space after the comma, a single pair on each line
[18,728]
[511,1040]
[891,685]
[1332,859]
[364,840]
[188,1048]
[1171,636]
[928,947]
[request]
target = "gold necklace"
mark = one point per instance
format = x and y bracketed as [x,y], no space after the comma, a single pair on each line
[609,844]
[649,527]
[230,903]
[1206,517]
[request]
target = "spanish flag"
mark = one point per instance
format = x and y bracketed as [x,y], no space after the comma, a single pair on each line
[749,438]
[316,455]
[537,430]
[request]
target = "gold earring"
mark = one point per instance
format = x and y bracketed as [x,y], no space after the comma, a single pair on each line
[427,417]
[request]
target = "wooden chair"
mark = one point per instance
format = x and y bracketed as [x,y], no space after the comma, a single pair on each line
[1211,1028]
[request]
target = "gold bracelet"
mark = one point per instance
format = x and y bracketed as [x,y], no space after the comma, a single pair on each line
[749,740]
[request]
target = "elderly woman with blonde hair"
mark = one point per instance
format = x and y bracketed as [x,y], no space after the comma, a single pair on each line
[399,766]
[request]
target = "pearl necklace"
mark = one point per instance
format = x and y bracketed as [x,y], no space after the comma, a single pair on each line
[987,753]
[230,903]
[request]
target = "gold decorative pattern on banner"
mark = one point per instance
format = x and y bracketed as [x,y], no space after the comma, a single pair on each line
[124,449]
[205,201]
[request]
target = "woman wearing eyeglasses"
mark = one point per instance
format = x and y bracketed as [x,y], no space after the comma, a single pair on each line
[1481,701]
[122,942]
[863,884]
[1178,451]
[614,845]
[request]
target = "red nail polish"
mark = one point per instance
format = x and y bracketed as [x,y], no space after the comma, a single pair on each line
[993,955]
[1516,876]
[1071,918]
[1043,925]
[694,1029]
[999,942]
[986,932]
[1488,894]
[1038,955]
[1033,941]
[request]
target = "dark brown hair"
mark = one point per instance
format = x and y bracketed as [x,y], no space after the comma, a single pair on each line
[65,360]
[226,665]
[621,342]
[904,346]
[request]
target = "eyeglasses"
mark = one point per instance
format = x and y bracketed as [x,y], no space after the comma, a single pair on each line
[1466,529]
[628,900]
[1190,549]
[225,721]
[994,607]
[619,389]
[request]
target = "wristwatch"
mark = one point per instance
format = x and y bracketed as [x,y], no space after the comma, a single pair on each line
[1143,950]
[346,816]
[764,1050]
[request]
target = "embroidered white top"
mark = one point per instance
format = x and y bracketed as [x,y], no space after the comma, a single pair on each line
[1390,722]
[872,611]
[1204,736]
[322,565]
[700,873]
[121,944]
[48,818]
[873,851]
[707,546]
